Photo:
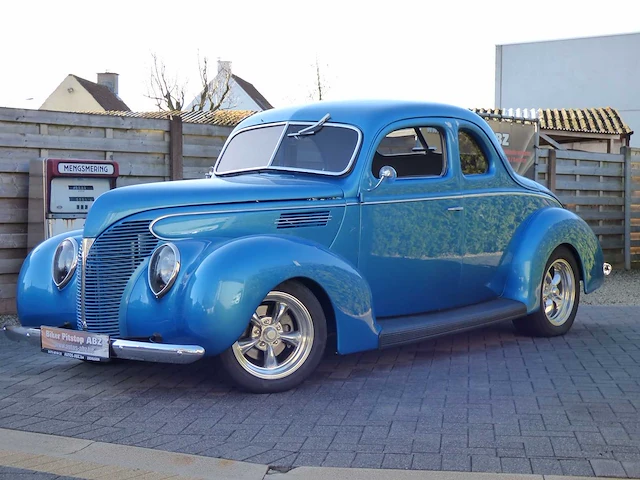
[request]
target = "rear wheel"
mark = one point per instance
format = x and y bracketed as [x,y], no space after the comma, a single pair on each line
[559,297]
[283,343]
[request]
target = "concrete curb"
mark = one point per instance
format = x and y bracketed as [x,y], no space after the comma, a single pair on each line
[91,460]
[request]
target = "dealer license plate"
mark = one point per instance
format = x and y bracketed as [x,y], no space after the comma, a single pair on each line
[74,344]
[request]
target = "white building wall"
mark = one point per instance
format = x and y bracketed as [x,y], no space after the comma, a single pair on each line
[70,96]
[576,73]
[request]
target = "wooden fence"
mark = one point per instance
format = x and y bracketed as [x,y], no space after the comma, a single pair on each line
[604,189]
[634,230]
[147,150]
[596,186]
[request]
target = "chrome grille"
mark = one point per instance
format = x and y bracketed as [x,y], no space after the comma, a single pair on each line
[79,288]
[303,219]
[111,261]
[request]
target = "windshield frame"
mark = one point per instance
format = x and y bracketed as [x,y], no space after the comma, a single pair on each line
[286,125]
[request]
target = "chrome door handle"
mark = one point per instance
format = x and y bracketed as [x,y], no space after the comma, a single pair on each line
[455,209]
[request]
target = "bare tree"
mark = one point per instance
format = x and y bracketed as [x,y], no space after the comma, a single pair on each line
[168,92]
[320,83]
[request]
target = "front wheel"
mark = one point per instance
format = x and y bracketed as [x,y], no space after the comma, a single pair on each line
[283,343]
[559,297]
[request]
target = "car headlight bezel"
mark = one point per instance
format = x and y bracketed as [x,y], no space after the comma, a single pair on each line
[161,288]
[70,267]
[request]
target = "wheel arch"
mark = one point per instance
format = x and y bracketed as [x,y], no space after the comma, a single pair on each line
[268,261]
[522,265]
[323,298]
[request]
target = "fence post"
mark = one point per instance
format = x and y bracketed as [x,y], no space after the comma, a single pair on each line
[626,151]
[176,170]
[551,170]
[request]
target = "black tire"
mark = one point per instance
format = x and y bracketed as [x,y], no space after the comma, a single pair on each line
[558,307]
[271,337]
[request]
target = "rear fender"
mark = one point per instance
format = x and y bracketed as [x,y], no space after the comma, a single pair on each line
[233,279]
[522,266]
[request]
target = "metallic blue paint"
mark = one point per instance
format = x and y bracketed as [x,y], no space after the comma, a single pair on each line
[120,203]
[522,265]
[39,301]
[398,241]
[213,298]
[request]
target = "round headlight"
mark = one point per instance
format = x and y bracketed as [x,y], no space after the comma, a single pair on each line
[163,268]
[65,260]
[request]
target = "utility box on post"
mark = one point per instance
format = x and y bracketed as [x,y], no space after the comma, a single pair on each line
[61,192]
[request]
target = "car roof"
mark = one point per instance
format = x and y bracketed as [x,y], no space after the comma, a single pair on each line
[365,114]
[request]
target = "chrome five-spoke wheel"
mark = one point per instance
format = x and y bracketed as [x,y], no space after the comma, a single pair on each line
[282,343]
[558,292]
[559,297]
[279,338]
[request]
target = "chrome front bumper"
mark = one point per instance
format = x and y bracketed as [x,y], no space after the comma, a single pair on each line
[124,349]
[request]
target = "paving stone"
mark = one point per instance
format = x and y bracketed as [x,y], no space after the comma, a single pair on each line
[368,460]
[576,468]
[607,468]
[488,399]
[397,461]
[515,465]
[485,463]
[338,459]
[458,463]
[426,461]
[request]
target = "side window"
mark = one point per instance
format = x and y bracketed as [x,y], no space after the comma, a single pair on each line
[473,161]
[412,152]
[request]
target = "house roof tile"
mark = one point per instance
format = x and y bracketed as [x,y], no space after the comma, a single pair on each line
[105,97]
[253,92]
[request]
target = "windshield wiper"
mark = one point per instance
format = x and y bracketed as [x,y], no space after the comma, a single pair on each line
[311,129]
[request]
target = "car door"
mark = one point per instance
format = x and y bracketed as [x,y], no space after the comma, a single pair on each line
[494,207]
[411,231]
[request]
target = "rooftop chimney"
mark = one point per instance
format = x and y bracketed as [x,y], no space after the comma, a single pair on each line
[224,66]
[109,80]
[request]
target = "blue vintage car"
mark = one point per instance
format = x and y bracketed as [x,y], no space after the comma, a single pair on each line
[376,224]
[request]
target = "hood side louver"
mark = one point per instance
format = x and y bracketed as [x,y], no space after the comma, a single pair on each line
[304,219]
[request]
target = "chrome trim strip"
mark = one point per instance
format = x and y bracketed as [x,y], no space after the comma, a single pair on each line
[288,169]
[74,264]
[23,334]
[86,246]
[125,349]
[467,195]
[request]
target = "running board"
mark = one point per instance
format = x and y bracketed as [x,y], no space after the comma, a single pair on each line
[415,328]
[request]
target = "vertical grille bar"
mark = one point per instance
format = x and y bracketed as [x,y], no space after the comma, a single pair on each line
[110,263]
[79,279]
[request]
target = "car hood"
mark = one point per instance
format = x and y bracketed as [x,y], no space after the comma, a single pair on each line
[125,201]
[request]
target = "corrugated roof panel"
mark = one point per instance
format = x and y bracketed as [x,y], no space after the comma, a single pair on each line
[605,120]
[222,118]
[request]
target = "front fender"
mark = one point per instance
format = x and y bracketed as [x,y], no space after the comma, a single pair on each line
[522,266]
[233,279]
[37,297]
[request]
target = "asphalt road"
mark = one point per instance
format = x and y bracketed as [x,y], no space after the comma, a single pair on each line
[487,400]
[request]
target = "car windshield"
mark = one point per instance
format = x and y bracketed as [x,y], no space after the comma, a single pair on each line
[327,149]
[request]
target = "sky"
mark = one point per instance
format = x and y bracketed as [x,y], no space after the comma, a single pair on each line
[420,50]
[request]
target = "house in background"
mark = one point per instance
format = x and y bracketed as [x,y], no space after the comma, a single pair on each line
[242,94]
[76,94]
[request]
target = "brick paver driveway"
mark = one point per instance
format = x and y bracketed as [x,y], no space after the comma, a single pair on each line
[487,400]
